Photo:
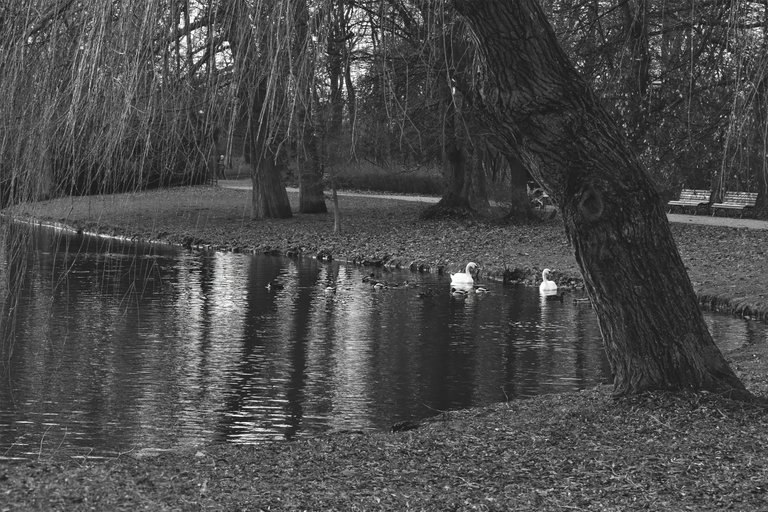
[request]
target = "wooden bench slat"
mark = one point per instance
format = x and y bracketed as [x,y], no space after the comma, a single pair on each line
[736,201]
[694,198]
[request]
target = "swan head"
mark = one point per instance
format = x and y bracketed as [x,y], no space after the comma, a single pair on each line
[545,274]
[470,267]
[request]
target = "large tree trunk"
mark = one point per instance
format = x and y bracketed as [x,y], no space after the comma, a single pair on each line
[463,191]
[653,329]
[311,198]
[269,199]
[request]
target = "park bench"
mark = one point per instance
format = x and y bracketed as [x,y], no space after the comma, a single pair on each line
[736,201]
[691,198]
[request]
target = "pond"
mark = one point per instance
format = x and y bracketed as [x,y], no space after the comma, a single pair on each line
[110,346]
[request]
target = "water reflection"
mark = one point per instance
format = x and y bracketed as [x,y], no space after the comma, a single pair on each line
[109,347]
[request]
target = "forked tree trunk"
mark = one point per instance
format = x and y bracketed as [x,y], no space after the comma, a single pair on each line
[653,329]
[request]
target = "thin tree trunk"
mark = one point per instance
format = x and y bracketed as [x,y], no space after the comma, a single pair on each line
[520,208]
[761,130]
[350,86]
[653,329]
[637,69]
[335,200]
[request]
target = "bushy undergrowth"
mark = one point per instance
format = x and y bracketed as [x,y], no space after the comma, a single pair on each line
[398,183]
[424,180]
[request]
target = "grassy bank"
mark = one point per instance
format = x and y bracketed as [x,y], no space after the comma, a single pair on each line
[577,451]
[726,265]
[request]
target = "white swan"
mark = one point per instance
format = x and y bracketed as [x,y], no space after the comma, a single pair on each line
[464,279]
[546,285]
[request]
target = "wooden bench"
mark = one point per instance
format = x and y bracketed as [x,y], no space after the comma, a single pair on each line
[737,201]
[691,198]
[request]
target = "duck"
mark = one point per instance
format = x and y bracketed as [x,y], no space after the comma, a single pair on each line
[274,285]
[330,290]
[555,297]
[459,294]
[464,279]
[546,285]
[480,290]
[379,285]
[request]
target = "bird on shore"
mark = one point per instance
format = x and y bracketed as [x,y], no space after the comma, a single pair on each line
[546,285]
[464,279]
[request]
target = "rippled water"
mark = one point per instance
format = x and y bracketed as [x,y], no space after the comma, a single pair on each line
[110,347]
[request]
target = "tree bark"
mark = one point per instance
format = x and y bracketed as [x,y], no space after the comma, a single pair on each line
[311,197]
[637,69]
[520,208]
[269,199]
[459,165]
[653,329]
[761,128]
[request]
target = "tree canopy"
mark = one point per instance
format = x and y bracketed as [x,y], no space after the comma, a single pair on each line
[133,94]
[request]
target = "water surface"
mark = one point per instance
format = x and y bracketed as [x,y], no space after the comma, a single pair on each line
[111,347]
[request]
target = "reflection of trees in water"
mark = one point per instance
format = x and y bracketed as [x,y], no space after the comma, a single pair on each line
[93,337]
[164,349]
[14,247]
[550,346]
[251,407]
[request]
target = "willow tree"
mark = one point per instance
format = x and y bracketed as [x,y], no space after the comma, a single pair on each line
[653,329]
[99,98]
[260,44]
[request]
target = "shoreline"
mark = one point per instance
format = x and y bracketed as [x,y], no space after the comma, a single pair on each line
[711,302]
[741,291]
[584,450]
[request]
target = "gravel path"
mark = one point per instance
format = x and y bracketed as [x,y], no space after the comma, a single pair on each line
[705,220]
